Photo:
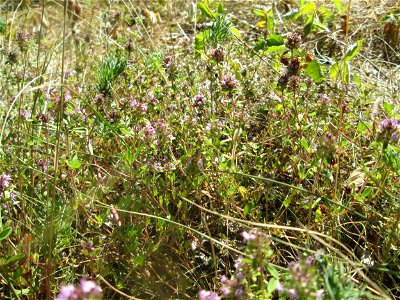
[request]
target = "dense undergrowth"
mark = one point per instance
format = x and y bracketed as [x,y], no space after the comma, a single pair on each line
[245,152]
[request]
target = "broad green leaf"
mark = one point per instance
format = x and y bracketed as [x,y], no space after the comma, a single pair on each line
[308,25]
[206,10]
[388,108]
[353,50]
[305,145]
[5,233]
[334,71]
[272,285]
[309,8]
[125,131]
[260,44]
[272,270]
[275,40]
[314,71]
[73,164]
[235,32]
[277,49]
[361,127]
[200,39]
[129,156]
[338,5]
[366,192]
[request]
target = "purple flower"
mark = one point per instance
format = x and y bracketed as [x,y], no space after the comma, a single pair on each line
[207,295]
[199,100]
[248,236]
[219,125]
[42,163]
[4,181]
[228,83]
[85,290]
[89,287]
[239,276]
[320,294]
[293,294]
[67,292]
[310,260]
[138,107]
[254,235]
[150,131]
[239,263]
[25,113]
[324,100]
[280,288]
[388,131]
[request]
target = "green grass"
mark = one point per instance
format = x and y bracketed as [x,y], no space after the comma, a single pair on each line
[142,141]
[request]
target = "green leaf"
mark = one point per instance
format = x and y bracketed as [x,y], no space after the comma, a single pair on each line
[220,8]
[270,21]
[275,40]
[309,8]
[249,206]
[338,5]
[361,127]
[314,71]
[272,270]
[308,25]
[5,233]
[125,131]
[366,192]
[206,10]
[388,108]
[235,32]
[200,39]
[287,202]
[15,258]
[73,164]
[305,145]
[129,156]
[272,285]
[277,49]
[334,71]
[260,45]
[353,50]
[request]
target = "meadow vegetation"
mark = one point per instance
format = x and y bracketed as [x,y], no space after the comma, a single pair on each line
[199,149]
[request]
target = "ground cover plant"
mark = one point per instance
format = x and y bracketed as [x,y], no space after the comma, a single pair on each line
[199,150]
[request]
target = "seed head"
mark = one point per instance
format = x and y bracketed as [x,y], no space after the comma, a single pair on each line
[293,41]
[217,55]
